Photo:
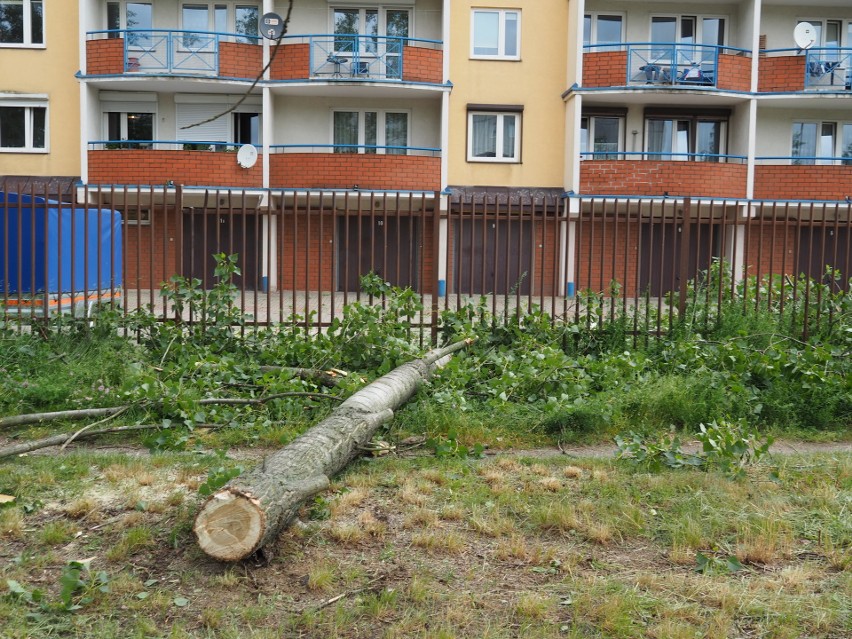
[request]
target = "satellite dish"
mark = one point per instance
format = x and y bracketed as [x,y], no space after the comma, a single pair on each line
[805,35]
[247,156]
[271,26]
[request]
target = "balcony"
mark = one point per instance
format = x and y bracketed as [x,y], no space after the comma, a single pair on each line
[675,174]
[191,163]
[666,65]
[827,69]
[328,166]
[803,178]
[173,52]
[343,58]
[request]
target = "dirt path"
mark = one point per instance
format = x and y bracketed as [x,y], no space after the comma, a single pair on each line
[779,447]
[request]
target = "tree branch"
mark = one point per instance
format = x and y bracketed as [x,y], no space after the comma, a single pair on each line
[256,80]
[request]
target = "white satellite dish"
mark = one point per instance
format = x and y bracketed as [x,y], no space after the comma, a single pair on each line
[247,156]
[805,35]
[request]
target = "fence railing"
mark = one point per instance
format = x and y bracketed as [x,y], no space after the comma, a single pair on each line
[644,263]
[657,63]
[828,69]
[173,51]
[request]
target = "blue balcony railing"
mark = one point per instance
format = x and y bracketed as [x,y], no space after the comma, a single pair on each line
[172,51]
[367,149]
[806,160]
[666,64]
[666,156]
[164,145]
[828,69]
[360,57]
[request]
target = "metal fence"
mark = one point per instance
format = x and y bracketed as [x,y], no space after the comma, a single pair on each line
[643,263]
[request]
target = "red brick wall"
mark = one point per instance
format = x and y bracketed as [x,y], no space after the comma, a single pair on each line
[782,73]
[802,182]
[734,72]
[598,244]
[654,177]
[240,60]
[105,56]
[343,170]
[192,168]
[605,69]
[319,271]
[762,257]
[422,65]
[151,251]
[292,63]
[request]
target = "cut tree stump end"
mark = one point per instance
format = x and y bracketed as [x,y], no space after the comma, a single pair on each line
[230,525]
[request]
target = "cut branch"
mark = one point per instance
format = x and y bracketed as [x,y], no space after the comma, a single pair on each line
[251,510]
[71,415]
[330,379]
[87,413]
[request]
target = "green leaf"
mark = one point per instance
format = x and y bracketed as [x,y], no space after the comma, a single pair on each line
[181,602]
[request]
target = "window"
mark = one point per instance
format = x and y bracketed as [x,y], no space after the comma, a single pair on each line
[131,127]
[370,132]
[21,22]
[247,128]
[136,16]
[602,29]
[493,136]
[605,133]
[496,34]
[822,143]
[23,127]
[200,19]
[708,31]
[370,40]
[688,137]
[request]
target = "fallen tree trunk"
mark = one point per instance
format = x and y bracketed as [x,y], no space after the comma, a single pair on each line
[251,510]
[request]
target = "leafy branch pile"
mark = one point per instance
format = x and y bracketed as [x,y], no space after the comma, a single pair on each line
[743,359]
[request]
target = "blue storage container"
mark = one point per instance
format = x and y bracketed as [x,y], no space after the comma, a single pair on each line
[53,247]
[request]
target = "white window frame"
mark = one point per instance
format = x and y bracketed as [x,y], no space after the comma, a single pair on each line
[124,112]
[501,34]
[699,25]
[691,152]
[29,103]
[845,29]
[230,15]
[501,115]
[28,29]
[590,153]
[593,31]
[837,152]
[380,127]
[362,8]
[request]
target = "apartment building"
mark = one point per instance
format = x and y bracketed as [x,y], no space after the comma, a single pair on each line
[724,103]
[39,103]
[558,105]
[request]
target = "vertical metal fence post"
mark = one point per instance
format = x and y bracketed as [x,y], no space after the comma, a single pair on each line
[684,257]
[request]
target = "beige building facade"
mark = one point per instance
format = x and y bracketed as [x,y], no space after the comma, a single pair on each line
[39,92]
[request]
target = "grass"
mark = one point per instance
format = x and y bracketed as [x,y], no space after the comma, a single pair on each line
[422,547]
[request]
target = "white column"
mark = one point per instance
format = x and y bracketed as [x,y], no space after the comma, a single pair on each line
[568,252]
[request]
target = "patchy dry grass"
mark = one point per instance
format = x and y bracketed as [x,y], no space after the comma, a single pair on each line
[420,547]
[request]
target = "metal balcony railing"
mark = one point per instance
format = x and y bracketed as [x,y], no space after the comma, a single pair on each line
[665,156]
[360,57]
[172,51]
[165,145]
[828,69]
[806,160]
[364,149]
[667,64]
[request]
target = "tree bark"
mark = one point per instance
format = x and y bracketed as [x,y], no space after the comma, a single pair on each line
[251,510]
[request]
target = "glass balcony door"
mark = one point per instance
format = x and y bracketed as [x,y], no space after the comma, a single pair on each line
[370,41]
